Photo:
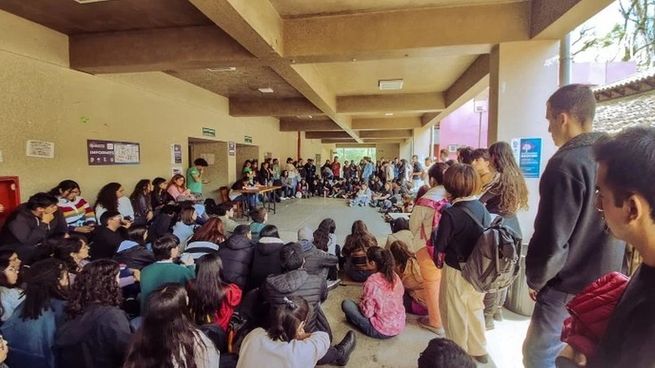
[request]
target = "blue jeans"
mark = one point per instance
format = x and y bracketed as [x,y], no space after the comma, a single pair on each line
[355,317]
[542,343]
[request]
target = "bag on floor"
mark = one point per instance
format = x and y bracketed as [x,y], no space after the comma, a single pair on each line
[494,262]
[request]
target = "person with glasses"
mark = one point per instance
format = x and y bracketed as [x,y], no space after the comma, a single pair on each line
[10,294]
[569,248]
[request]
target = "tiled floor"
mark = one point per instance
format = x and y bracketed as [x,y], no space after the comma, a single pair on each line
[504,342]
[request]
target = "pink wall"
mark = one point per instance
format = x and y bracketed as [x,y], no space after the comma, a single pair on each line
[461,127]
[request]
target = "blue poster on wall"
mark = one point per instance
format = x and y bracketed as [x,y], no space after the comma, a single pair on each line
[530,157]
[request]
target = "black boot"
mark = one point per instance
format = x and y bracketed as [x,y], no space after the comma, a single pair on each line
[345,347]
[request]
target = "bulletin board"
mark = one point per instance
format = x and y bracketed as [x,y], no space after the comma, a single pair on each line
[112,152]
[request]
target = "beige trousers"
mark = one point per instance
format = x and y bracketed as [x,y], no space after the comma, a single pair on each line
[462,310]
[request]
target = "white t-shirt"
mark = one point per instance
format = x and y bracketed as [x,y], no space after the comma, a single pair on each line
[258,350]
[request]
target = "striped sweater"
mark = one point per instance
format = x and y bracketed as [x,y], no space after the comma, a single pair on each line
[77,212]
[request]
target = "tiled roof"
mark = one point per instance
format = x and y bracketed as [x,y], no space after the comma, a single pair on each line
[635,85]
[617,114]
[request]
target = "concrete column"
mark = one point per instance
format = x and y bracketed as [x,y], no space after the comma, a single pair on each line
[522,77]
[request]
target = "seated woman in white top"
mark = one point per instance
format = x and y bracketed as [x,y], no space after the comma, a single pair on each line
[285,344]
[112,198]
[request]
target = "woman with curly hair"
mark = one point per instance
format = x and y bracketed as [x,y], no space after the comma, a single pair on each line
[211,299]
[504,196]
[357,266]
[111,198]
[97,332]
[31,329]
[168,338]
[10,294]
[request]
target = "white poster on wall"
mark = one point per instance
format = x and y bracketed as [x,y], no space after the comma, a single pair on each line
[41,149]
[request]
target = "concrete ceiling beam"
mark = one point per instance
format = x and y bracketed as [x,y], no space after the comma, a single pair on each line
[404,102]
[327,135]
[551,20]
[393,134]
[387,123]
[157,49]
[257,26]
[304,125]
[324,38]
[272,107]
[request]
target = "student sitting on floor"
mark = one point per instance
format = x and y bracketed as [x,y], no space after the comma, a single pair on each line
[237,253]
[285,344]
[226,214]
[205,240]
[79,215]
[407,267]
[326,240]
[133,252]
[266,258]
[212,300]
[168,337]
[354,251]
[164,270]
[363,197]
[97,332]
[111,197]
[380,313]
[400,231]
[186,226]
[259,220]
[109,235]
[11,295]
[141,202]
[317,262]
[444,353]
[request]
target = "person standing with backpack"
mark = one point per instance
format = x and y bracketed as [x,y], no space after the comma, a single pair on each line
[569,248]
[460,303]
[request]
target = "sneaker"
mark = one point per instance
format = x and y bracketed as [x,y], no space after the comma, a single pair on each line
[498,316]
[425,323]
[489,323]
[332,284]
[283,198]
[484,359]
[345,348]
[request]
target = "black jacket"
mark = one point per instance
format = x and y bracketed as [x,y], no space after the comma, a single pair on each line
[312,288]
[136,257]
[311,170]
[23,228]
[237,253]
[317,262]
[99,338]
[160,226]
[265,261]
[105,242]
[569,248]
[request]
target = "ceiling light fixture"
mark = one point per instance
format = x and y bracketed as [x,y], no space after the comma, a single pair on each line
[265,90]
[88,1]
[388,114]
[225,69]
[390,84]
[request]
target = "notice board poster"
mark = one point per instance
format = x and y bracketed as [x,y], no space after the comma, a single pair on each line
[530,157]
[112,153]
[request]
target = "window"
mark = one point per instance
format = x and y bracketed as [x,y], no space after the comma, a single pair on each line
[349,154]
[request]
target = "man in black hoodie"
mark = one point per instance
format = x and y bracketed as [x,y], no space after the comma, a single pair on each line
[32,223]
[569,248]
[295,281]
[236,254]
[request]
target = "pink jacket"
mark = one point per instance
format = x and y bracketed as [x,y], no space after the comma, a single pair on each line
[383,305]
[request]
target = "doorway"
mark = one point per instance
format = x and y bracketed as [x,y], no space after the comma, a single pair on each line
[216,155]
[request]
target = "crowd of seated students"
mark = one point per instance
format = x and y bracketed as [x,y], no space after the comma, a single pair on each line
[100,288]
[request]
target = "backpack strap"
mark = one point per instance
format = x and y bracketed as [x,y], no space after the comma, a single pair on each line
[472,216]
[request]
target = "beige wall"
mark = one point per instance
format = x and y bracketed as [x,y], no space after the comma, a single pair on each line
[42,99]
[387,151]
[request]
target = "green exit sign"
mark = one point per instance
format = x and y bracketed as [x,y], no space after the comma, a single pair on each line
[209,132]
[247,139]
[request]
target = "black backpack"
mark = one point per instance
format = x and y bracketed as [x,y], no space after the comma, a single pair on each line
[494,262]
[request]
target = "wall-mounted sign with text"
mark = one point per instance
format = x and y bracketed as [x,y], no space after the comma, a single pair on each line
[209,132]
[247,139]
[112,153]
[529,156]
[231,148]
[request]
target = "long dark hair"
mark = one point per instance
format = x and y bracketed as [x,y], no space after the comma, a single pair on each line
[5,256]
[322,234]
[401,253]
[43,285]
[212,231]
[284,319]
[156,182]
[63,249]
[63,187]
[107,196]
[360,237]
[140,190]
[167,336]
[511,189]
[384,263]
[206,291]
[95,284]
